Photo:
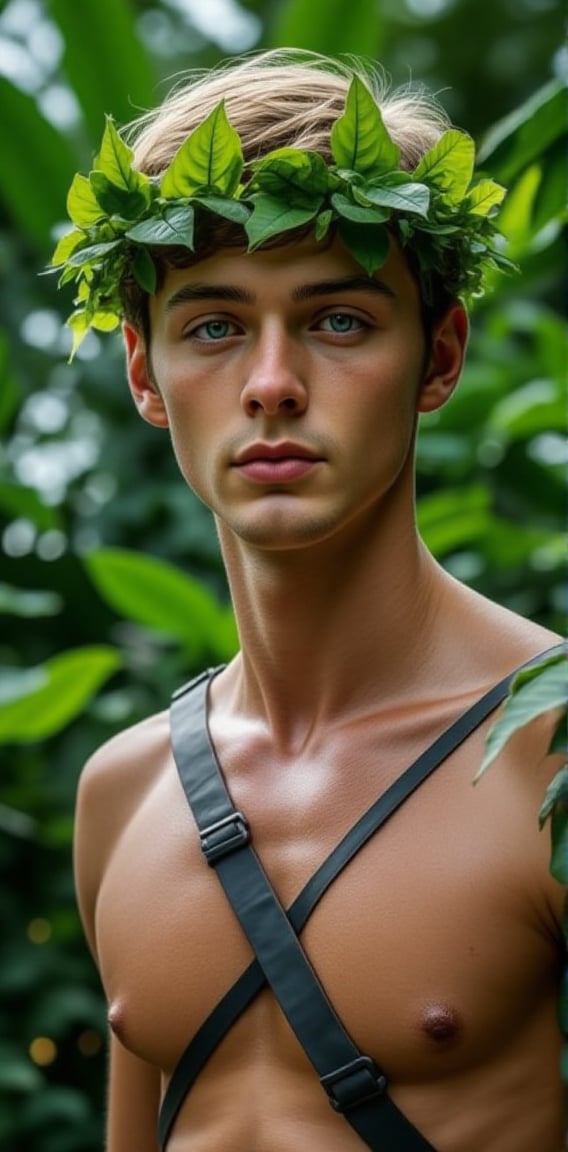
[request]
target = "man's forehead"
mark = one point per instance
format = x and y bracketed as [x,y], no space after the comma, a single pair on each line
[303,272]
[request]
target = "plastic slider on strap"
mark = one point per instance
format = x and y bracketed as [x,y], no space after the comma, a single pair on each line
[354,1083]
[224,837]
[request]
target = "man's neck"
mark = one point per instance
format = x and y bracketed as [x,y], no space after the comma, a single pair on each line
[322,633]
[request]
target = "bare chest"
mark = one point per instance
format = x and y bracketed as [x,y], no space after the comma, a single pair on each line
[403,941]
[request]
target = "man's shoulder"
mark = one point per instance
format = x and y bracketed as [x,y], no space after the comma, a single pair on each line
[131,756]
[500,635]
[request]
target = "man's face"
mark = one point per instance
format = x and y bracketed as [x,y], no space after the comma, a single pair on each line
[290,382]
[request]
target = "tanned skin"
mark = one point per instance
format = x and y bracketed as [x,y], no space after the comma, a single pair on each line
[440,945]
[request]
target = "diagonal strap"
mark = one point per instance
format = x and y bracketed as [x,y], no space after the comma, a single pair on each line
[354,1084]
[194,739]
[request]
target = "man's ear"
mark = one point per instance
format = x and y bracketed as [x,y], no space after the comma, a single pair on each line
[142,386]
[448,345]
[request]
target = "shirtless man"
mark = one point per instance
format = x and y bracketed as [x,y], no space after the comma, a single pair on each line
[289,356]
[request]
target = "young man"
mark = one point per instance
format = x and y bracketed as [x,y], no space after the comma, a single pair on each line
[287,321]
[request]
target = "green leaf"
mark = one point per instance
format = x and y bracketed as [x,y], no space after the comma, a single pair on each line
[411,197]
[157,595]
[448,165]
[367,244]
[291,170]
[211,157]
[322,224]
[91,254]
[271,216]
[63,687]
[533,692]
[484,197]
[114,160]
[144,270]
[327,26]
[550,200]
[233,210]
[79,324]
[18,500]
[68,244]
[124,202]
[454,517]
[105,321]
[175,226]
[525,135]
[559,836]
[535,671]
[82,204]
[359,138]
[556,793]
[104,61]
[356,212]
[41,163]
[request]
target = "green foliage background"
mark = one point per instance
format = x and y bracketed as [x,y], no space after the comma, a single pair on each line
[111,589]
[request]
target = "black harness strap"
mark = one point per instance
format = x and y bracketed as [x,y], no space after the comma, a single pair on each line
[354,1084]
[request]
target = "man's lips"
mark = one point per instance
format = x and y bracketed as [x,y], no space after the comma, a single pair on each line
[273,463]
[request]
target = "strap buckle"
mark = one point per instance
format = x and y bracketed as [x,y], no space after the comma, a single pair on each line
[224,837]
[354,1083]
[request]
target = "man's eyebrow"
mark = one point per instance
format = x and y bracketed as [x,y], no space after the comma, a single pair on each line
[190,293]
[345,284]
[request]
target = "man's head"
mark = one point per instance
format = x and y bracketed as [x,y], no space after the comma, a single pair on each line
[279,99]
[262,150]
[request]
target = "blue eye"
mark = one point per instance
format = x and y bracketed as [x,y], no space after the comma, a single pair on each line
[341,323]
[214,330]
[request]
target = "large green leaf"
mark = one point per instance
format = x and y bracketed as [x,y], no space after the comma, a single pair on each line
[37,166]
[449,165]
[157,595]
[105,62]
[359,139]
[522,137]
[211,157]
[330,26]
[54,693]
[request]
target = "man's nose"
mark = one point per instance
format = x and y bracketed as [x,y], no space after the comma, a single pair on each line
[274,382]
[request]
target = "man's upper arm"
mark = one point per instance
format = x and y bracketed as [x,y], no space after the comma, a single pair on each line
[133,1102]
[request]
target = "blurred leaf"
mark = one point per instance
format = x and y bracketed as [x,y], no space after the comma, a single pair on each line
[451,518]
[156,594]
[60,1106]
[550,199]
[65,685]
[104,60]
[18,501]
[538,406]
[14,823]
[17,1073]
[523,136]
[28,604]
[40,157]
[328,26]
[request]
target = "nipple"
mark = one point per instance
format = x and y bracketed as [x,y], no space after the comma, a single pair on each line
[441,1023]
[115,1017]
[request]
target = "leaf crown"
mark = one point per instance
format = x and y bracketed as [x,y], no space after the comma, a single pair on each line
[122,217]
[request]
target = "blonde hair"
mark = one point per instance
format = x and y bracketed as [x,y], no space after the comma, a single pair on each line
[284,98]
